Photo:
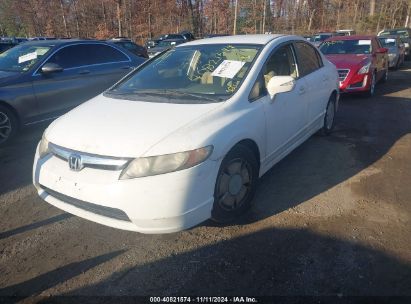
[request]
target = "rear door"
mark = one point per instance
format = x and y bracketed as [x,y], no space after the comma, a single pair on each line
[89,69]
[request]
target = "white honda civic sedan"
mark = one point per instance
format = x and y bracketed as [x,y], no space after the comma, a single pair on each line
[185,136]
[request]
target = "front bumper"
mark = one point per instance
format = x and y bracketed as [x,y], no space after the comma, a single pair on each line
[355,83]
[156,204]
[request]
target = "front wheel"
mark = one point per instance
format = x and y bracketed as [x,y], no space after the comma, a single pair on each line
[235,185]
[8,125]
[385,77]
[371,90]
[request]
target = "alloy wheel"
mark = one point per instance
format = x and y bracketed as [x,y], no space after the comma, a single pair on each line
[5,127]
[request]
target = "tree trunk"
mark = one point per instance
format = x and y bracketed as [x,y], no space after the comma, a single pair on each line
[64,19]
[119,21]
[372,7]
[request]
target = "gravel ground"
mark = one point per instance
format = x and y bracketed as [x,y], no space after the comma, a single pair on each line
[331,219]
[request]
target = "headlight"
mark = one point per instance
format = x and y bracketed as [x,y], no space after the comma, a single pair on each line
[391,55]
[155,165]
[44,147]
[365,69]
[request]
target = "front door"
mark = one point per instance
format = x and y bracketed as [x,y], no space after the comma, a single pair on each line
[286,114]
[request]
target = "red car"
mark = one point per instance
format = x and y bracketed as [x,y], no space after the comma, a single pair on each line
[361,62]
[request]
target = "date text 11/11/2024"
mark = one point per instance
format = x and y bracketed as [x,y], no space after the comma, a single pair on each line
[203,300]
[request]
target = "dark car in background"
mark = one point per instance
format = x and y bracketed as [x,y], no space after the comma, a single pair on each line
[130,46]
[164,45]
[405,35]
[154,42]
[40,80]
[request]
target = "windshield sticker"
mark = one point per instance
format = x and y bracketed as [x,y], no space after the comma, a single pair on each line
[389,40]
[28,57]
[364,42]
[228,68]
[332,42]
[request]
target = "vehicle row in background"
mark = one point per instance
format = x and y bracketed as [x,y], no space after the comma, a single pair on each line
[130,46]
[405,36]
[184,36]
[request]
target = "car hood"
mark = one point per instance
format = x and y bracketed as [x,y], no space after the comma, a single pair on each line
[348,61]
[122,128]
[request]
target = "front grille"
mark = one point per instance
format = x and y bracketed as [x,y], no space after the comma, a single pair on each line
[113,213]
[342,74]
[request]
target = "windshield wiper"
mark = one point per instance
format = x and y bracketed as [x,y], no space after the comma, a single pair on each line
[182,93]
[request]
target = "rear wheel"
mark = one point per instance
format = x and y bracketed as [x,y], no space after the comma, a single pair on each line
[235,185]
[329,116]
[8,125]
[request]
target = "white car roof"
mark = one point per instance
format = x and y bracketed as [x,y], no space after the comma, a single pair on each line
[240,39]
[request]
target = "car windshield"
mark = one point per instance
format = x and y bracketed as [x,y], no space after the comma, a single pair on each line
[360,46]
[190,74]
[174,36]
[320,37]
[401,33]
[168,43]
[388,42]
[22,57]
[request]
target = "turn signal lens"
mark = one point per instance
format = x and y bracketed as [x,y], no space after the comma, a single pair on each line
[43,147]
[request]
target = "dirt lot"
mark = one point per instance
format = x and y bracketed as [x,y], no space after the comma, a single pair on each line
[333,218]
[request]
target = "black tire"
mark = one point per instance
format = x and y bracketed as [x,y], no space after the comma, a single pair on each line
[8,125]
[328,126]
[235,185]
[371,90]
[385,77]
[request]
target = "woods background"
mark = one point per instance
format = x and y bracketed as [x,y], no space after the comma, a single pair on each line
[142,19]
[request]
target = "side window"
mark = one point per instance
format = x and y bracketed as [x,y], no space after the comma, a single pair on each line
[86,54]
[70,57]
[280,63]
[100,53]
[308,58]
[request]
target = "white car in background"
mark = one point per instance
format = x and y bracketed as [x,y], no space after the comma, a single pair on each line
[186,136]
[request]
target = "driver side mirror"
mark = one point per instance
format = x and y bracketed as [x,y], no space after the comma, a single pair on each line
[50,67]
[382,50]
[280,84]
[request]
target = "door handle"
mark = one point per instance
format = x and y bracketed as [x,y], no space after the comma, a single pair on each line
[84,72]
[301,90]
